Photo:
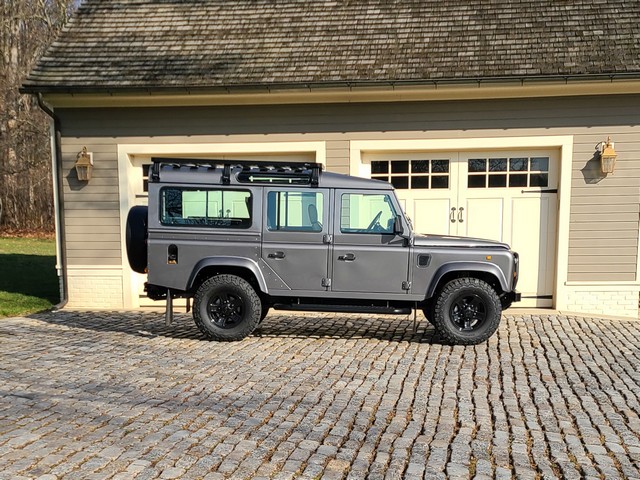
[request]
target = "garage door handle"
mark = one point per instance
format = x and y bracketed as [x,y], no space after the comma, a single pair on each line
[276,255]
[349,257]
[452,217]
[460,210]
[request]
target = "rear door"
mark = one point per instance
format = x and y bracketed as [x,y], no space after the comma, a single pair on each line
[295,236]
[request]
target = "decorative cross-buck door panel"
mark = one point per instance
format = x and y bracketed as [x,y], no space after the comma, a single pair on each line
[509,196]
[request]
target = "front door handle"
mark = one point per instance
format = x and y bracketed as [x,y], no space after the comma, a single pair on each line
[349,257]
[276,255]
[460,214]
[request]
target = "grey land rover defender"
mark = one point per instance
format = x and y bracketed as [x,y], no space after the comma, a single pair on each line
[242,237]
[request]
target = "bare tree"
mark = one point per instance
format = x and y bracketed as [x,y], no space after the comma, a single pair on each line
[27,29]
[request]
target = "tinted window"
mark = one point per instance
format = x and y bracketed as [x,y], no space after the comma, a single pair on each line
[206,207]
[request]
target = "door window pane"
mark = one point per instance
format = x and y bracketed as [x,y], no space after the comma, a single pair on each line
[439,166]
[295,211]
[400,182]
[539,164]
[379,167]
[477,165]
[497,181]
[419,166]
[420,182]
[400,166]
[439,181]
[538,179]
[477,181]
[367,213]
[519,180]
[497,164]
[518,164]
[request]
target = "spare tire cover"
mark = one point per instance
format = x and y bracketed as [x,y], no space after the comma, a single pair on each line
[137,238]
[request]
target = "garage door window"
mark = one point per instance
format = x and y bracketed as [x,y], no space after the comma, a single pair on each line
[412,174]
[508,172]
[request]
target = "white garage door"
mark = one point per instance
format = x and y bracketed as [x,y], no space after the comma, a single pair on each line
[509,196]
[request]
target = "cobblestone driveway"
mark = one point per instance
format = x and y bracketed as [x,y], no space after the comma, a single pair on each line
[119,395]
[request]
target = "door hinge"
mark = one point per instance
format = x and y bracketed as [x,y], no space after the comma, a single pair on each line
[327,239]
[326,282]
[406,285]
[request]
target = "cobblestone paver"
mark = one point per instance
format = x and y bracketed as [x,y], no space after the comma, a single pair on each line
[96,395]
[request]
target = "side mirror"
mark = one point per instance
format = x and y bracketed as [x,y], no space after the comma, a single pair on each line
[398,229]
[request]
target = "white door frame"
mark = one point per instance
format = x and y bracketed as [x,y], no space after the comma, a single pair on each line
[184,148]
[562,142]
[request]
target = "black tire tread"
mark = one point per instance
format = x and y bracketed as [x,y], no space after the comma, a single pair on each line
[442,325]
[254,305]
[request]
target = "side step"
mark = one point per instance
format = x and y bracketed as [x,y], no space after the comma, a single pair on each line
[316,307]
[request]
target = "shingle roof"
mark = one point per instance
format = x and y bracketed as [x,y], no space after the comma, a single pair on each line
[147,44]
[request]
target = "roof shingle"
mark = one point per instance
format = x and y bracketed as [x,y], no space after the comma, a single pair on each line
[150,44]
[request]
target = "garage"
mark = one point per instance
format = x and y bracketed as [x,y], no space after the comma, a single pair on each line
[505,195]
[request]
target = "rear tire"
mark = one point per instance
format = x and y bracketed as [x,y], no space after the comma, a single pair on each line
[226,308]
[467,311]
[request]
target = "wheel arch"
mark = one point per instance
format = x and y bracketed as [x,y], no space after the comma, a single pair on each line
[242,267]
[483,271]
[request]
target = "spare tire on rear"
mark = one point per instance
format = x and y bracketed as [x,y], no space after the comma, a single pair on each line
[137,239]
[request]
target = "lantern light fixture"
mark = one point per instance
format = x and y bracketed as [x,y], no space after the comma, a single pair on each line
[84,165]
[608,156]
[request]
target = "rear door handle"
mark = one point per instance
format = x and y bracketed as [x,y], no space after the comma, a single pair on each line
[349,257]
[276,255]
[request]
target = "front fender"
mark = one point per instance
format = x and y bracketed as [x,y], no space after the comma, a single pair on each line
[226,261]
[467,267]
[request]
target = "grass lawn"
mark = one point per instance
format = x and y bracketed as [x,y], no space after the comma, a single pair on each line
[28,280]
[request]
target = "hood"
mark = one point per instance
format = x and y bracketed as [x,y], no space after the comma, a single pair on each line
[448,241]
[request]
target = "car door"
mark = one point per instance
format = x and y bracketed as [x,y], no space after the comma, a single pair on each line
[295,239]
[367,255]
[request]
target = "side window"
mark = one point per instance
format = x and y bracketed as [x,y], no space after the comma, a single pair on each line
[295,211]
[366,213]
[209,208]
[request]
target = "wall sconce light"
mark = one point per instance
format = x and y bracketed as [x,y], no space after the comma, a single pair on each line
[84,165]
[608,156]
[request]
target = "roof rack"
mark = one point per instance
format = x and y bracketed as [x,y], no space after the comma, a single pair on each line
[251,171]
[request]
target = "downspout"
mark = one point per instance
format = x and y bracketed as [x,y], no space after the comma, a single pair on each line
[58,200]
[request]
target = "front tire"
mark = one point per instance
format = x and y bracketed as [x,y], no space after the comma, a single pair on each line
[467,311]
[226,308]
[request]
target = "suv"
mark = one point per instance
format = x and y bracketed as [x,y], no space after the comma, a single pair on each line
[242,237]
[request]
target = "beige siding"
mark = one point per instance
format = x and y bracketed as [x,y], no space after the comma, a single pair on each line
[92,210]
[604,223]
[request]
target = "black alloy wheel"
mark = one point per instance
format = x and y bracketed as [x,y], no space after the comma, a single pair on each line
[468,312]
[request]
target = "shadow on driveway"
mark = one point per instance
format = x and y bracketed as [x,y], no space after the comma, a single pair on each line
[392,328]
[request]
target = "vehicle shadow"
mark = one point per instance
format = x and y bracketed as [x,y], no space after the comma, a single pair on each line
[391,328]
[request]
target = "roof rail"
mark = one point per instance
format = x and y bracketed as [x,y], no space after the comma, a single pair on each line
[251,171]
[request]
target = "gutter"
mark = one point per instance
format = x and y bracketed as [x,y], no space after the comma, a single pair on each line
[34,86]
[58,200]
